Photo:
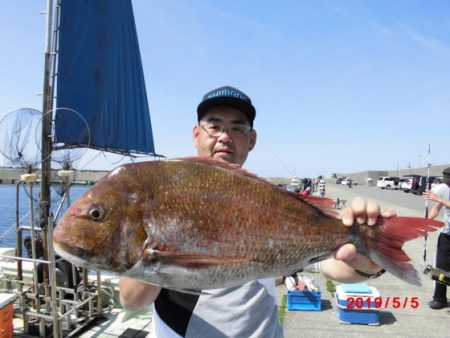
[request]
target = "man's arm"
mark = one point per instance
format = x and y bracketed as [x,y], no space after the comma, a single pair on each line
[428,195]
[346,260]
[435,211]
[135,295]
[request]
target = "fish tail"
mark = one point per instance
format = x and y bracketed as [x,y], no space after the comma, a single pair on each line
[385,242]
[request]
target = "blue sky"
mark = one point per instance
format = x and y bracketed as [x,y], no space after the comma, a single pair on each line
[339,86]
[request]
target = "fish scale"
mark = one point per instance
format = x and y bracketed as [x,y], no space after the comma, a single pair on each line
[199,223]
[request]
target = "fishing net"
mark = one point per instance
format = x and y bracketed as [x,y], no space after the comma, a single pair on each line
[18,138]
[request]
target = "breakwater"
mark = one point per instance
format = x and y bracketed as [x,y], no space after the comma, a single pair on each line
[12,176]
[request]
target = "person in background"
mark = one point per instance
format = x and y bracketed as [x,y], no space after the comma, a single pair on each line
[442,198]
[225,132]
[307,191]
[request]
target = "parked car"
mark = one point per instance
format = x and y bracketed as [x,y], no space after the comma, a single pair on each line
[293,187]
[388,182]
[408,182]
[422,184]
[346,181]
[295,180]
[438,180]
[339,180]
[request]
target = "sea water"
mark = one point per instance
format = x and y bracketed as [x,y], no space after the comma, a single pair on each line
[27,199]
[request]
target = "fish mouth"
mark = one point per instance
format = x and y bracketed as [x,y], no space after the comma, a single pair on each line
[71,254]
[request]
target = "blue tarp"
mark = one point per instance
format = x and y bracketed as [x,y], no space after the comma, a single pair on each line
[100,76]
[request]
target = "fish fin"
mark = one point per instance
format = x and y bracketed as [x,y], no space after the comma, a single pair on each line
[386,241]
[192,260]
[192,292]
[171,269]
[325,205]
[224,165]
[237,169]
[319,258]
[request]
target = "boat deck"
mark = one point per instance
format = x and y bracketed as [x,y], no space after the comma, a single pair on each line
[114,323]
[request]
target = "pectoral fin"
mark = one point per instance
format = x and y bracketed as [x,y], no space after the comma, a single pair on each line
[193,292]
[191,260]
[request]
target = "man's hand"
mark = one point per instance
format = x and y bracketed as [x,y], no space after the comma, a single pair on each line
[346,260]
[362,213]
[428,195]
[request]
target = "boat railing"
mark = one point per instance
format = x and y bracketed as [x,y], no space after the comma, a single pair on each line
[46,306]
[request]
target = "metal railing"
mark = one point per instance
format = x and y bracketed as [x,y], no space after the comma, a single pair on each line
[46,307]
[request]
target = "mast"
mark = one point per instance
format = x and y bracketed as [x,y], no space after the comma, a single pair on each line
[47,106]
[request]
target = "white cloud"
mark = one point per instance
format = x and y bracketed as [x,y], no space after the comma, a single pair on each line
[430,43]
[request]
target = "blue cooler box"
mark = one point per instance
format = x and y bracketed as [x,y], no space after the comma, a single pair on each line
[361,309]
[304,301]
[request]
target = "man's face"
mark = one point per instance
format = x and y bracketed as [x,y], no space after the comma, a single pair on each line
[226,147]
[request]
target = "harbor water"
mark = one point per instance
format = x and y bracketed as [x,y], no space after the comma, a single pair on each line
[23,199]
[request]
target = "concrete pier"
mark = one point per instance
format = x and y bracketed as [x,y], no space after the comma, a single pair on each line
[395,322]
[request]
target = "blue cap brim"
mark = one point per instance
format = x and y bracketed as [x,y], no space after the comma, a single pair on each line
[245,107]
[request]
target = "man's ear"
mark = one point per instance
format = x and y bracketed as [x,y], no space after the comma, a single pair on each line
[253,137]
[195,134]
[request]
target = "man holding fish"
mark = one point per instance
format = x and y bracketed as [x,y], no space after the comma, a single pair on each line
[202,239]
[225,132]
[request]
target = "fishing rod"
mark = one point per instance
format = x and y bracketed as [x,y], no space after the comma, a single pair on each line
[437,275]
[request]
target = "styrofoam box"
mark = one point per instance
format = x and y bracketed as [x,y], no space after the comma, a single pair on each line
[361,312]
[357,291]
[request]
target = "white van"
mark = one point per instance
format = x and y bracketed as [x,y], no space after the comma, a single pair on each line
[408,182]
[388,182]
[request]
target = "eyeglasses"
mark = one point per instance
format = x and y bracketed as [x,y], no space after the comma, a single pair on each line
[233,130]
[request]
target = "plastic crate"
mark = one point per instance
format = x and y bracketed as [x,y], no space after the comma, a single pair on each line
[304,301]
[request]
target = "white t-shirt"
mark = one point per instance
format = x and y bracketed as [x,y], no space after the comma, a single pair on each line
[249,310]
[443,191]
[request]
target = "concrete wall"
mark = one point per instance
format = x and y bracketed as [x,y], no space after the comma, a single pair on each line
[8,175]
[361,177]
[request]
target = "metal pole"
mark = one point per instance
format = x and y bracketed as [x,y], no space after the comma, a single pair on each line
[54,303]
[46,132]
[67,190]
[18,235]
[427,187]
[33,240]
[99,293]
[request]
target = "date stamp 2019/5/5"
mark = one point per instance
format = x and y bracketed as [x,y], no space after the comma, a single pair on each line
[382,302]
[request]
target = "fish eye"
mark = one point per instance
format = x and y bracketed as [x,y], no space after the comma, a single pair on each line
[96,214]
